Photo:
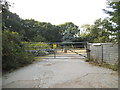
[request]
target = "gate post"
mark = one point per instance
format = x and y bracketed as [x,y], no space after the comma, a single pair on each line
[88,50]
[65,49]
[55,50]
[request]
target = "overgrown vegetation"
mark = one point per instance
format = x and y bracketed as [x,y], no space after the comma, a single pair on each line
[14,54]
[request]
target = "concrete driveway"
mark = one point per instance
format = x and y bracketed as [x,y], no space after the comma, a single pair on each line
[67,70]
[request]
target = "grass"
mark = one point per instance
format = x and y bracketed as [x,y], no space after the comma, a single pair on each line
[106,65]
[86,60]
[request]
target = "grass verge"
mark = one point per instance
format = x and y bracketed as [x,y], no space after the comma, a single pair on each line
[105,65]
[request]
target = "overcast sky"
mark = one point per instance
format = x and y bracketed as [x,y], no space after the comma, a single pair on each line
[60,11]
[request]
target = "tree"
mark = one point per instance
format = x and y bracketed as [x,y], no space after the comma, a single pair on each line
[98,32]
[11,21]
[114,17]
[69,31]
[5,4]
[13,52]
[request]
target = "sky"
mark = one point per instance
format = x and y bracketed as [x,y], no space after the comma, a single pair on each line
[60,11]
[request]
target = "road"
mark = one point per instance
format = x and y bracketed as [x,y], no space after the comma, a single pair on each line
[67,70]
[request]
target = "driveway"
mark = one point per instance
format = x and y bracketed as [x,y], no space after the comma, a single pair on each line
[67,70]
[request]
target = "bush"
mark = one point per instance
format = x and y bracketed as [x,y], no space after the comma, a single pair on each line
[13,53]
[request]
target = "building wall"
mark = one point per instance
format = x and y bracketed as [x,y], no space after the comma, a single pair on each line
[103,52]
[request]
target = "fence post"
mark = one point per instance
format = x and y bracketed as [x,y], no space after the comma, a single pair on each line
[102,52]
[55,53]
[88,50]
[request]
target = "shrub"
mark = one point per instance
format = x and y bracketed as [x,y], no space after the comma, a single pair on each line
[13,53]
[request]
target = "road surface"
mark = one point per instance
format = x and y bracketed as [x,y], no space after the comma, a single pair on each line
[67,70]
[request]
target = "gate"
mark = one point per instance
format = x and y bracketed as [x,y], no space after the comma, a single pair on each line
[69,49]
[63,50]
[75,47]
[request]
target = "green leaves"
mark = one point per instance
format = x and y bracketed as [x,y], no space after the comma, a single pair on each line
[114,17]
[13,53]
[30,29]
[69,31]
[98,32]
[106,30]
[40,31]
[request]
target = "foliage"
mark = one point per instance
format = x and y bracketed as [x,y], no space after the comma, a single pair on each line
[19,34]
[98,32]
[114,14]
[13,53]
[69,31]
[10,21]
[30,29]
[106,30]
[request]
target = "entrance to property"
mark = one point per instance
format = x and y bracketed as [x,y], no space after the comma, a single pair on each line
[69,49]
[59,50]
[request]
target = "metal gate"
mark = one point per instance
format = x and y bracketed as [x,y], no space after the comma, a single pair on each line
[73,50]
[63,50]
